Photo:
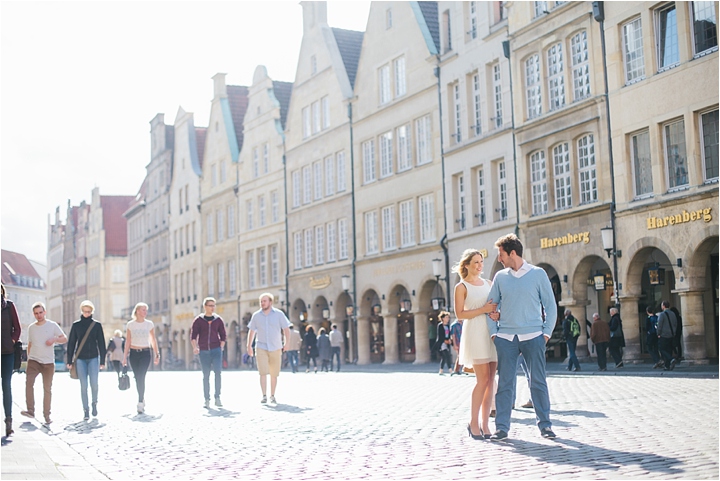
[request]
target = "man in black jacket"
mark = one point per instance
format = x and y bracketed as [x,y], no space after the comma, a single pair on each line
[666,330]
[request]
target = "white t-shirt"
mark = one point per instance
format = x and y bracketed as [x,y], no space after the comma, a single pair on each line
[140,333]
[37,335]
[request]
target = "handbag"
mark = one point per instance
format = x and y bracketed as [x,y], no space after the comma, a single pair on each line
[124,380]
[17,363]
[73,368]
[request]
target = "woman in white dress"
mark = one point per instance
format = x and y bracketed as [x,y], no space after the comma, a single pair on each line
[476,346]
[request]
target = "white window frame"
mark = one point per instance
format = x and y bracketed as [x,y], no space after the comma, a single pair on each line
[262,266]
[316,117]
[388,228]
[400,81]
[667,41]
[384,84]
[703,148]
[368,153]
[307,184]
[561,176]
[423,136]
[318,180]
[221,279]
[641,164]
[329,176]
[386,157]
[502,191]
[340,159]
[266,158]
[539,8]
[708,11]
[533,88]
[250,209]
[232,277]
[209,229]
[461,221]
[679,180]
[252,281]
[404,148]
[586,169]
[538,183]
[274,206]
[308,247]
[556,77]
[325,102]
[481,215]
[342,239]
[497,95]
[473,21]
[298,250]
[211,280]
[331,242]
[297,192]
[306,122]
[633,55]
[426,208]
[220,225]
[371,233]
[407,223]
[477,105]
[231,221]
[319,245]
[255,163]
[580,65]
[457,113]
[262,219]
[274,265]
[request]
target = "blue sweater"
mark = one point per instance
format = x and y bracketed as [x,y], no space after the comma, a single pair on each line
[521,301]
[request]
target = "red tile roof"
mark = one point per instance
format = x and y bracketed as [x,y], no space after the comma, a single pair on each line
[15,265]
[114,223]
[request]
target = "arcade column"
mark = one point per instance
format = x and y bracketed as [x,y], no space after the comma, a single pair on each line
[422,350]
[693,327]
[391,340]
[631,328]
[363,337]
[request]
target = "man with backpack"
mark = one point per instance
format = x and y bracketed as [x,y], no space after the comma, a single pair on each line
[666,329]
[571,332]
[651,339]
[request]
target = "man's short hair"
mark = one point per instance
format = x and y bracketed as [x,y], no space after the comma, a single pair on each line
[268,295]
[334,326]
[38,304]
[510,243]
[649,310]
[209,299]
[613,311]
[568,312]
[443,314]
[595,314]
[666,304]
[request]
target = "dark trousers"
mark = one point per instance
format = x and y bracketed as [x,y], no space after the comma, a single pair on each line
[445,358]
[335,354]
[140,362]
[314,360]
[293,360]
[601,349]
[615,353]
[8,360]
[666,345]
[47,371]
[652,347]
[211,359]
[117,366]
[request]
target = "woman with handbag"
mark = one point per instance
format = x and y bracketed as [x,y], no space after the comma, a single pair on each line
[86,354]
[10,335]
[311,348]
[139,348]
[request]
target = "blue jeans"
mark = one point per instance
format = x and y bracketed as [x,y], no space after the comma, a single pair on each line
[533,350]
[335,354]
[572,358]
[293,360]
[7,370]
[211,359]
[88,368]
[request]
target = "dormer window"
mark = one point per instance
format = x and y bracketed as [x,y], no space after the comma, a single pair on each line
[313,65]
[388,19]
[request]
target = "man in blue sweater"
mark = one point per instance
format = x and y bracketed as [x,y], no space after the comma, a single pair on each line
[523,324]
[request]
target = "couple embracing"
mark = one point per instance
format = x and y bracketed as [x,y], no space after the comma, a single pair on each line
[512,315]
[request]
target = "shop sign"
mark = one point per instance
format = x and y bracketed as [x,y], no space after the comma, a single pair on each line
[397,269]
[583,237]
[700,214]
[320,282]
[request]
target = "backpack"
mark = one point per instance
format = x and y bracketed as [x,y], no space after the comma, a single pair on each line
[574,327]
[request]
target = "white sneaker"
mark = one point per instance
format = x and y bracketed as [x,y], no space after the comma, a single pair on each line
[272,400]
[217,402]
[140,408]
[207,404]
[263,400]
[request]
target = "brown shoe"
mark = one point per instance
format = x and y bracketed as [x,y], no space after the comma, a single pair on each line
[527,405]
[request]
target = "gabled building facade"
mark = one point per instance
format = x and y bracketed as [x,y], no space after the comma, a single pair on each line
[56,242]
[23,285]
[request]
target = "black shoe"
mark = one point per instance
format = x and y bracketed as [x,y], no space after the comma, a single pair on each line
[672,364]
[94,409]
[576,369]
[499,436]
[619,365]
[476,437]
[602,369]
[547,433]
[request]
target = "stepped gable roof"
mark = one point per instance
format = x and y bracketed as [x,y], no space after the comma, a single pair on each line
[430,12]
[238,100]
[349,44]
[115,225]
[282,91]
[200,133]
[15,265]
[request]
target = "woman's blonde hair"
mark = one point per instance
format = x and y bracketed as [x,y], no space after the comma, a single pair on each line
[87,303]
[118,333]
[467,255]
[139,304]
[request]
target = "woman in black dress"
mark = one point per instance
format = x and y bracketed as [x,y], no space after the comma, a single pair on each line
[311,349]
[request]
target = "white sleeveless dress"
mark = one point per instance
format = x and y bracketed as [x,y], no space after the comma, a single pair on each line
[476,347]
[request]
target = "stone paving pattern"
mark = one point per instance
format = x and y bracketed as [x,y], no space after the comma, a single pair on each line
[381,425]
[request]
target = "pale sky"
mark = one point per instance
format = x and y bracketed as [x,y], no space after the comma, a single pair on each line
[80,82]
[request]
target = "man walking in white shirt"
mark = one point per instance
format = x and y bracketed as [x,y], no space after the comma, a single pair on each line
[336,341]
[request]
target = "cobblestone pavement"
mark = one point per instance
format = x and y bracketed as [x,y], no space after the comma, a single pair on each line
[394,425]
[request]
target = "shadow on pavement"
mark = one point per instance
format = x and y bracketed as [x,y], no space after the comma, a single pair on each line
[85,426]
[220,413]
[289,409]
[143,418]
[575,453]
[577,412]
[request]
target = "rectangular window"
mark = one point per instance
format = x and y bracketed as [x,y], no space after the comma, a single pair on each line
[386,160]
[274,207]
[368,152]
[250,214]
[307,184]
[232,277]
[448,31]
[457,113]
[709,130]
[675,156]
[329,175]
[371,233]
[482,205]
[704,25]
[642,164]
[533,95]
[460,221]
[427,218]
[298,250]
[262,266]
[388,226]
[388,19]
[384,84]
[221,279]
[668,48]
[580,66]
[261,211]
[308,247]
[473,20]
[296,188]
[407,223]
[502,191]
[187,197]
[223,172]
[404,149]
[499,13]
[220,225]
[633,51]
[340,159]
[477,107]
[540,8]
[538,176]
[497,96]
[318,184]
[251,269]
[316,118]
[424,140]
[213,175]
[586,165]
[255,163]
[342,239]
[180,193]
[231,221]
[274,265]
[211,280]
[400,84]
[307,125]
[319,245]
[561,175]
[556,77]
[266,158]
[209,230]
[325,103]
[331,242]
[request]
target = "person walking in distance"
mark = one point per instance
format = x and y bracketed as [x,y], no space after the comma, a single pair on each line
[455,335]
[311,348]
[651,337]
[208,337]
[43,334]
[336,342]
[267,327]
[522,292]
[10,335]
[442,340]
[666,329]
[324,349]
[294,343]
[600,336]
[571,332]
[86,347]
[116,350]
[617,338]
[139,349]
